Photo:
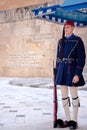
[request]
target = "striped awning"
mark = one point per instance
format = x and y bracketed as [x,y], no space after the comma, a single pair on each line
[57,15]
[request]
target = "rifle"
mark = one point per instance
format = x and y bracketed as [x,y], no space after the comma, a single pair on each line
[55,103]
[54,100]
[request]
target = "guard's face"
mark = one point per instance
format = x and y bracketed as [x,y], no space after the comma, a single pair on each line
[68,30]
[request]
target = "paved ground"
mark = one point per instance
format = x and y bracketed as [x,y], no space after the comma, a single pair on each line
[27,104]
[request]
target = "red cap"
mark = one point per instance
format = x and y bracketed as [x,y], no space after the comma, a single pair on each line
[69,23]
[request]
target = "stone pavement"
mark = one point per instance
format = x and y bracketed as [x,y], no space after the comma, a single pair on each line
[31,108]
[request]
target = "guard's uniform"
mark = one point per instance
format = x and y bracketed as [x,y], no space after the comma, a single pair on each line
[72,63]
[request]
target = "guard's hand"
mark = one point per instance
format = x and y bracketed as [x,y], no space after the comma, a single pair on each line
[75,79]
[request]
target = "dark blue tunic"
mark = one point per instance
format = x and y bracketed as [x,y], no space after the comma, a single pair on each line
[65,70]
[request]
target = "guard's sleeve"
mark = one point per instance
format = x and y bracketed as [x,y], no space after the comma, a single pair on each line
[81,56]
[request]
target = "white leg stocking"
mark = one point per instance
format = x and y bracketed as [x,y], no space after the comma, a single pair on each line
[75,102]
[65,100]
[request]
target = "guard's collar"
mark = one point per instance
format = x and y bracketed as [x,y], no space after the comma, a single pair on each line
[69,37]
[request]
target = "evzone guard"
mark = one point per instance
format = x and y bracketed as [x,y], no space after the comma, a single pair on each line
[70,61]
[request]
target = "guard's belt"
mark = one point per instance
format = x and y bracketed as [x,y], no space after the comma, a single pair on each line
[68,60]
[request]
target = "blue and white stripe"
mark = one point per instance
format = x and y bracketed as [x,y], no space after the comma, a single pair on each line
[47,10]
[60,20]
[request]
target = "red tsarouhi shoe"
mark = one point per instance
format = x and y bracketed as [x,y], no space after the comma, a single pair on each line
[62,124]
[73,125]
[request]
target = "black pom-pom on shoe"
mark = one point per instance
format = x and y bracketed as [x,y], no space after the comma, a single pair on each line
[59,123]
[73,125]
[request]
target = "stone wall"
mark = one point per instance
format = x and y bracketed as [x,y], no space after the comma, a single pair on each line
[11,4]
[27,48]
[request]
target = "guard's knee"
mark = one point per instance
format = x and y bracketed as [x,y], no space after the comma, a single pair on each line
[66,101]
[76,102]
